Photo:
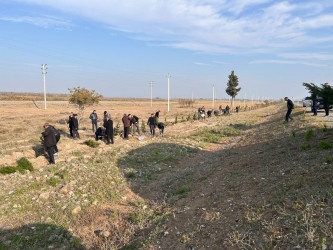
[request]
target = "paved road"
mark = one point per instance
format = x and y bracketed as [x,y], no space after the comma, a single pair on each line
[321,116]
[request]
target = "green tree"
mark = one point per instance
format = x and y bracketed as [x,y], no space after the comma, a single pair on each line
[324,91]
[232,89]
[83,98]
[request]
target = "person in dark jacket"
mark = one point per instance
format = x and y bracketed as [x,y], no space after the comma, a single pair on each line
[75,127]
[209,113]
[152,123]
[326,104]
[106,114]
[50,141]
[157,114]
[161,127]
[127,124]
[100,133]
[135,123]
[108,124]
[93,117]
[70,124]
[227,109]
[290,107]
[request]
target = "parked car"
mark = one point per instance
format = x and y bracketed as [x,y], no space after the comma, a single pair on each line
[307,102]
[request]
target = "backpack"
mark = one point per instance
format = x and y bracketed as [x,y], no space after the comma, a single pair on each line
[56,133]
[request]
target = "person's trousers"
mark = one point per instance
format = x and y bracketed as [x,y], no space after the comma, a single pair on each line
[288,115]
[136,127]
[71,131]
[109,137]
[126,132]
[152,129]
[315,110]
[327,109]
[94,125]
[76,134]
[50,151]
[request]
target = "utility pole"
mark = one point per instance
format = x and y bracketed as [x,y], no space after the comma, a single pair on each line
[192,95]
[244,99]
[168,76]
[44,68]
[151,83]
[213,96]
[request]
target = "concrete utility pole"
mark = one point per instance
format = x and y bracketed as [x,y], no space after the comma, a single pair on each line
[168,76]
[192,95]
[44,68]
[151,83]
[213,96]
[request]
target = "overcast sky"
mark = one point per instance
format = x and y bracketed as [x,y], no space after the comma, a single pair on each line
[117,47]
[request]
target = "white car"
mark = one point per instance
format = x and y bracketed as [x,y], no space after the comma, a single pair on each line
[307,102]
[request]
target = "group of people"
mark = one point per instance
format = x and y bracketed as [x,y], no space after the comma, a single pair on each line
[106,131]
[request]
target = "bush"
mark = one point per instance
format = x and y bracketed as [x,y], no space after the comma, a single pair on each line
[91,143]
[195,116]
[325,145]
[116,129]
[176,119]
[25,164]
[143,126]
[188,118]
[8,170]
[309,134]
[22,165]
[305,146]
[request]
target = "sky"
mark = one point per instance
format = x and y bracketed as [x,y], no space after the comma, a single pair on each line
[118,47]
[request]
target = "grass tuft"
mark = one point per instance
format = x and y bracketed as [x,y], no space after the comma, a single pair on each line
[91,143]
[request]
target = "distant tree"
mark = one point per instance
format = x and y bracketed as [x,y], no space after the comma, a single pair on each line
[83,98]
[232,89]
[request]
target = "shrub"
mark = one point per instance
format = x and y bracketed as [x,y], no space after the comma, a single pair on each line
[143,126]
[91,143]
[305,146]
[176,119]
[195,116]
[325,144]
[325,128]
[25,164]
[294,133]
[328,159]
[116,129]
[188,118]
[309,134]
[52,181]
[8,170]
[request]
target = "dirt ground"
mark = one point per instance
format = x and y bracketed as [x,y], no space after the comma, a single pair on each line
[242,181]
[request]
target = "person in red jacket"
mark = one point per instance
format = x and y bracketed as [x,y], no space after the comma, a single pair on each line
[50,141]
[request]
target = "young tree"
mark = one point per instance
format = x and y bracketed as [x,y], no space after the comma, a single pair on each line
[232,89]
[325,91]
[83,98]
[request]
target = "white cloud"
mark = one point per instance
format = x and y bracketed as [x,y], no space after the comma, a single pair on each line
[42,21]
[213,26]
[316,56]
[289,62]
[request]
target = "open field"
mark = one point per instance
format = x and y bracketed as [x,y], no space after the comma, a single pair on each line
[239,181]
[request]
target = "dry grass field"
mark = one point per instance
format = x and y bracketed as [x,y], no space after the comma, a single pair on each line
[241,181]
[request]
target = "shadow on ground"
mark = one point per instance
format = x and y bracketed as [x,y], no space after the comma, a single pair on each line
[38,236]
